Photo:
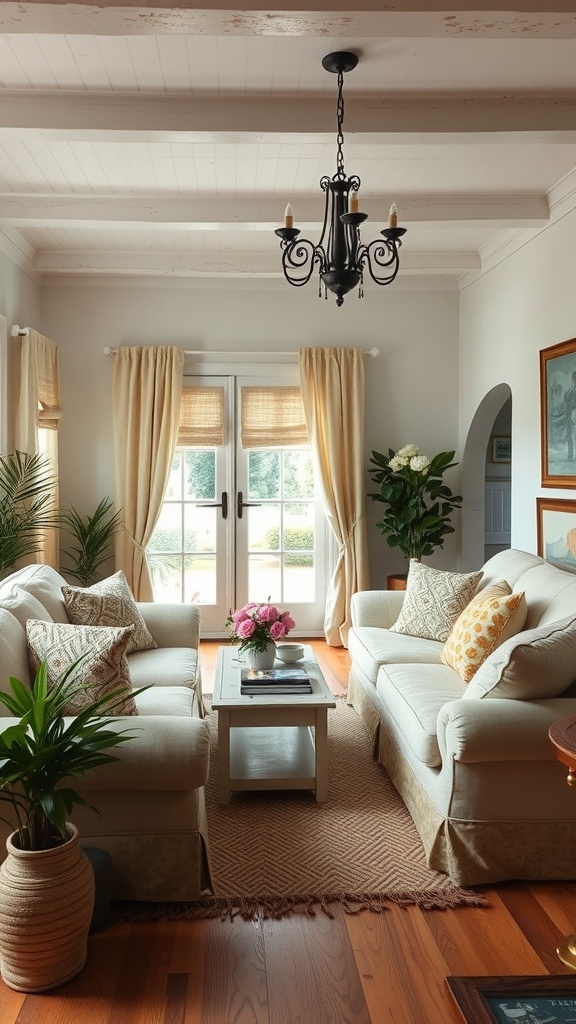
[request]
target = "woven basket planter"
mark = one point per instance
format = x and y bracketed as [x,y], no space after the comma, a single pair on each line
[46,903]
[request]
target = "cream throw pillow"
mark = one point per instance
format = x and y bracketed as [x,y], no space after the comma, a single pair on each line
[104,669]
[434,600]
[491,617]
[23,606]
[537,664]
[108,603]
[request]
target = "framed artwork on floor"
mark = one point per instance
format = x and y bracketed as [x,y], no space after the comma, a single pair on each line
[556,531]
[541,999]
[558,414]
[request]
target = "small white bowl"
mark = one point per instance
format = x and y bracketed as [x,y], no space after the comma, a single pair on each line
[289,652]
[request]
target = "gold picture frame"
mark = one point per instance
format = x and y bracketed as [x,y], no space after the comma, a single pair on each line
[556,531]
[558,414]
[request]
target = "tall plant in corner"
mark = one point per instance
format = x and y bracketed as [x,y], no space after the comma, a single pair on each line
[419,503]
[26,506]
[92,534]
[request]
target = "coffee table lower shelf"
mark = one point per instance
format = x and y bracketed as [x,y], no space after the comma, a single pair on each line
[282,757]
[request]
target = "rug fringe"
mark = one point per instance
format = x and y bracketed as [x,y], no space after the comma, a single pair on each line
[276,907]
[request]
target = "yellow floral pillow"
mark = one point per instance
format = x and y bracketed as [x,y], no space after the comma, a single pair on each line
[492,617]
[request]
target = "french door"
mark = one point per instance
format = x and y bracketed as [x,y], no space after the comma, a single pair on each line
[241,525]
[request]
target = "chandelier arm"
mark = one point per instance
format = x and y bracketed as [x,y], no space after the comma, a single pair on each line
[298,259]
[380,256]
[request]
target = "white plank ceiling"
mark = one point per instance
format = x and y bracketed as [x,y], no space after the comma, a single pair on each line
[165,140]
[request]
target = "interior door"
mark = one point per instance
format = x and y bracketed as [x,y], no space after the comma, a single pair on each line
[240,525]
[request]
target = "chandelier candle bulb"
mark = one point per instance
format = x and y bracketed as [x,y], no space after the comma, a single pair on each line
[393,216]
[353,204]
[288,217]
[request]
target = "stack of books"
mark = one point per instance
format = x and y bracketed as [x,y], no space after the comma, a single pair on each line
[274,680]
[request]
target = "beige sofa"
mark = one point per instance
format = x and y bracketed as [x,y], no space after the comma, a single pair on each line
[151,802]
[476,769]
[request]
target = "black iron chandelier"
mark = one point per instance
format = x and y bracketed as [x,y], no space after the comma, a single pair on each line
[340,255]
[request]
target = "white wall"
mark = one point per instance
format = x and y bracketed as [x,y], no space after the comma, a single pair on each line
[411,389]
[523,305]
[19,303]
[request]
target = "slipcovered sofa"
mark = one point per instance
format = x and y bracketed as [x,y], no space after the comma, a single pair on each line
[472,760]
[151,801]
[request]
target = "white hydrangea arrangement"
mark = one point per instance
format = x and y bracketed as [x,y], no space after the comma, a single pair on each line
[419,503]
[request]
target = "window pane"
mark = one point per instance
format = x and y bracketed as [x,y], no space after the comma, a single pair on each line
[167,534]
[264,578]
[298,526]
[264,528]
[299,577]
[263,475]
[166,575]
[200,475]
[200,579]
[199,528]
[298,475]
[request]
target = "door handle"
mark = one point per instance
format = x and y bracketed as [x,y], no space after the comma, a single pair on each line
[241,504]
[218,504]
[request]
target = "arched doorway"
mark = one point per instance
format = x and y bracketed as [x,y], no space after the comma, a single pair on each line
[474,475]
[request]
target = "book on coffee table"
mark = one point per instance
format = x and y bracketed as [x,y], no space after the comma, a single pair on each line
[274,680]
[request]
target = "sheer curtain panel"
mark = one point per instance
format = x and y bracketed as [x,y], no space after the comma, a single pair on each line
[147,391]
[332,381]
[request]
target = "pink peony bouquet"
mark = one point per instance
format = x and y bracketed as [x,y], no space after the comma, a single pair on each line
[257,625]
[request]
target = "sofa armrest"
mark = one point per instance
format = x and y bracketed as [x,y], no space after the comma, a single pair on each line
[172,625]
[500,729]
[376,607]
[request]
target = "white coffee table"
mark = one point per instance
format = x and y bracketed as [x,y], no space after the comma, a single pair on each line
[268,741]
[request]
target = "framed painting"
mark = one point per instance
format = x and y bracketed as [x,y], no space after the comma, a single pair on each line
[556,531]
[545,999]
[501,449]
[558,414]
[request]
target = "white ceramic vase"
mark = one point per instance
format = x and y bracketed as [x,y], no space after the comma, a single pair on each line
[46,904]
[260,659]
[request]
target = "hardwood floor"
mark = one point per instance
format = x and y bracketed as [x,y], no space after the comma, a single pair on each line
[365,968]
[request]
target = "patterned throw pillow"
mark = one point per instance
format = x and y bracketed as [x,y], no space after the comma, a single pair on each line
[434,600]
[104,669]
[491,617]
[108,603]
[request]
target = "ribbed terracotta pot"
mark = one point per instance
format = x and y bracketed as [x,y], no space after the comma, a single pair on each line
[260,659]
[46,903]
[397,582]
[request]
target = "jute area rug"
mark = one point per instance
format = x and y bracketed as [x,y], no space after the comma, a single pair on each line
[275,853]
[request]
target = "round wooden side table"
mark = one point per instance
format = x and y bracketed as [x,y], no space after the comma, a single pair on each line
[563,735]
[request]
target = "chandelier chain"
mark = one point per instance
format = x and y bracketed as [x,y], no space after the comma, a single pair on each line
[340,136]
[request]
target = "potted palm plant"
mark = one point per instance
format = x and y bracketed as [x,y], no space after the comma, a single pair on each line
[92,535]
[418,502]
[26,506]
[47,882]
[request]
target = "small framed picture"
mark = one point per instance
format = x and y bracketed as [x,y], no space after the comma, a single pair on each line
[532,1000]
[558,414]
[556,531]
[501,449]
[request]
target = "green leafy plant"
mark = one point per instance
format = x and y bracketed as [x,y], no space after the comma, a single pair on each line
[26,506]
[41,751]
[419,502]
[93,534]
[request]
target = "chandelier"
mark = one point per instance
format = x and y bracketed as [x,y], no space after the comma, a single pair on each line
[340,255]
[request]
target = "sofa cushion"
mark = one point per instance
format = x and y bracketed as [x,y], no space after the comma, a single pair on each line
[23,605]
[370,647]
[104,666]
[13,654]
[108,603]
[434,599]
[491,617]
[46,585]
[165,666]
[413,696]
[171,701]
[534,665]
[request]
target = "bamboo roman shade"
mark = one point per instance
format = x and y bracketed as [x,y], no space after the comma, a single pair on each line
[272,417]
[201,417]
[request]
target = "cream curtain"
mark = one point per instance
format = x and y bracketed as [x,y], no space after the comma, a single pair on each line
[332,381]
[147,391]
[37,417]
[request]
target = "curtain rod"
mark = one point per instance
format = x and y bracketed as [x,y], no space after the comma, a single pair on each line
[372,352]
